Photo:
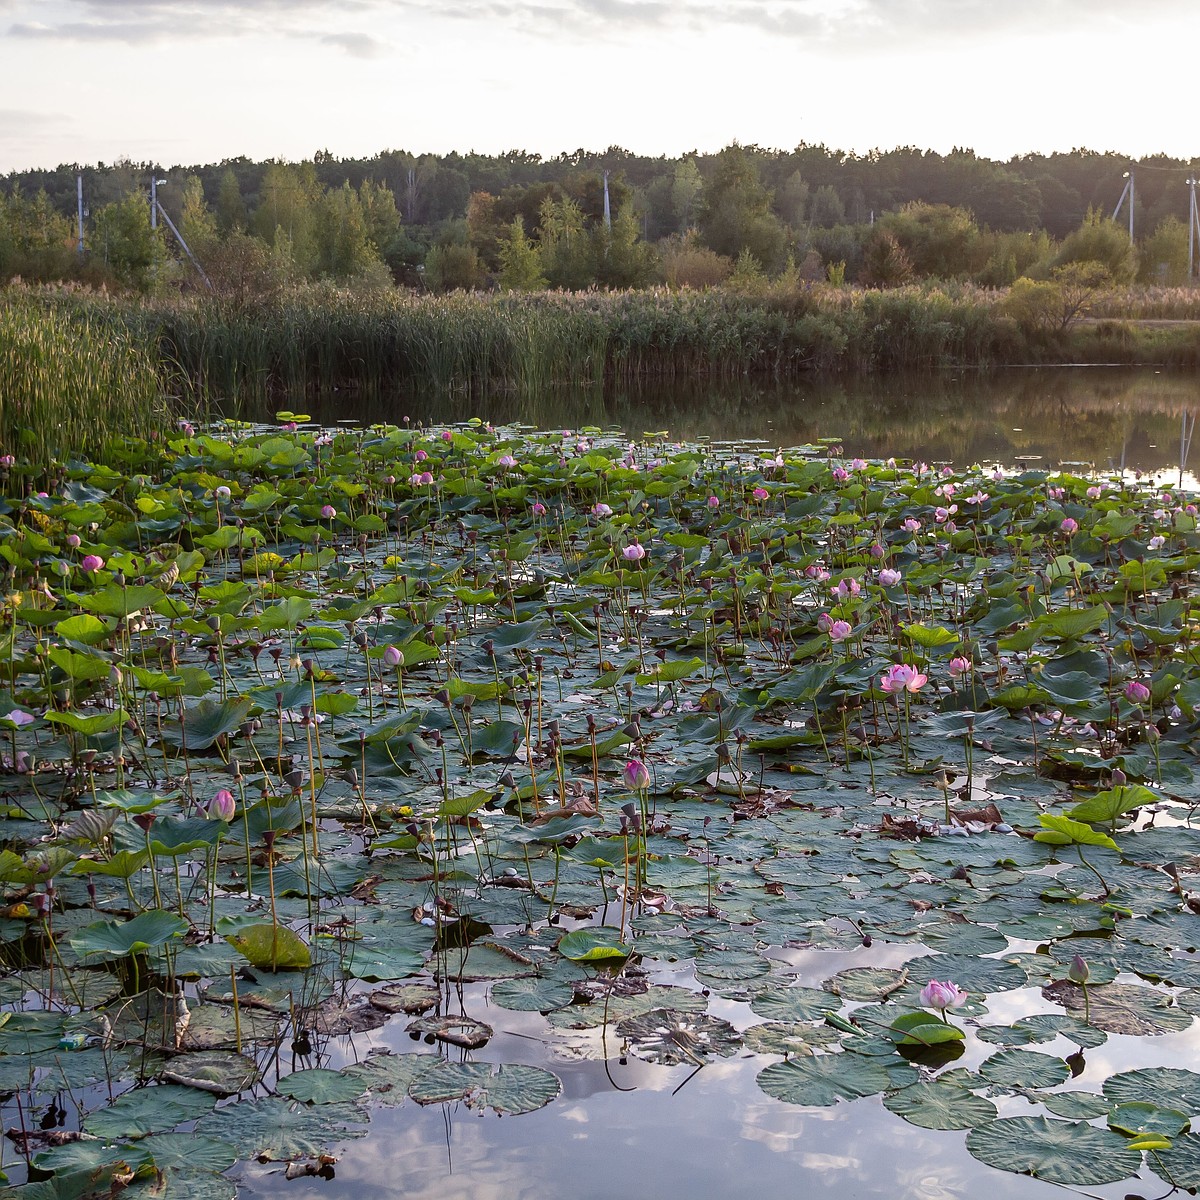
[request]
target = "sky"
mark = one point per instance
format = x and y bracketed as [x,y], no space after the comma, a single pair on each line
[193,81]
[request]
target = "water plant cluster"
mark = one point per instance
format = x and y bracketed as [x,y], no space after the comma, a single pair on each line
[307,732]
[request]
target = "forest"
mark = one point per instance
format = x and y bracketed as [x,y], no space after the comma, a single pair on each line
[607,220]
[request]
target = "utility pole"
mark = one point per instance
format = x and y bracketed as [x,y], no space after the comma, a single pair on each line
[607,209]
[79,208]
[1128,191]
[1193,217]
[154,182]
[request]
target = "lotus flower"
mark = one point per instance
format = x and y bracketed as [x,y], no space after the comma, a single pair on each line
[941,996]
[1136,693]
[637,778]
[222,806]
[902,678]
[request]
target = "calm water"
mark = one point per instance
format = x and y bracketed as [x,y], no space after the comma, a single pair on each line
[624,1128]
[1104,417]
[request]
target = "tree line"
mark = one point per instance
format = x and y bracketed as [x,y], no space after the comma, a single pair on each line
[610,220]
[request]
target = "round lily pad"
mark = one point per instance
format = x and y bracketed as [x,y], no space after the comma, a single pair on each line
[824,1079]
[1068,1152]
[935,1105]
[1163,1087]
[865,983]
[794,1004]
[1136,1118]
[222,1072]
[505,1089]
[1120,1007]
[1024,1069]
[321,1086]
[666,1036]
[405,998]
[1075,1106]
[1180,1163]
[976,975]
[533,993]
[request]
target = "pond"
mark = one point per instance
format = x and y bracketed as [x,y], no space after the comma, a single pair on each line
[476,811]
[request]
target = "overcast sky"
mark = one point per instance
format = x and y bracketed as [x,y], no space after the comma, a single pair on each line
[190,81]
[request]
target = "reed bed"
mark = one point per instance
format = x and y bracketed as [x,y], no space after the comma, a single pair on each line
[248,356]
[73,381]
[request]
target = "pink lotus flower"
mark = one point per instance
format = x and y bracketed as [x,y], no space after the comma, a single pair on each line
[824,622]
[713,502]
[760,494]
[222,806]
[889,577]
[839,631]
[74,541]
[877,551]
[19,718]
[447,436]
[941,996]
[506,461]
[393,656]
[634,552]
[637,778]
[1094,493]
[601,510]
[421,456]
[328,512]
[911,525]
[959,667]
[538,509]
[91,563]
[1157,542]
[1136,693]
[858,465]
[1069,526]
[840,474]
[902,678]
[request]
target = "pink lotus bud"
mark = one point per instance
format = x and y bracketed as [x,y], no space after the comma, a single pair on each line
[1136,693]
[328,512]
[91,563]
[713,502]
[1069,526]
[222,493]
[538,509]
[760,494]
[1078,972]
[393,656]
[839,631]
[222,806]
[447,436]
[421,456]
[74,541]
[637,778]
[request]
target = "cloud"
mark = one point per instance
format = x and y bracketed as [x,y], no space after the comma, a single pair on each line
[357,45]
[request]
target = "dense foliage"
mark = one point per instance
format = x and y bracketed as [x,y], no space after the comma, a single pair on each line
[610,219]
[309,734]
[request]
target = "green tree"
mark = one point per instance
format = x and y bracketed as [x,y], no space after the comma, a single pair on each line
[939,240]
[197,222]
[1099,240]
[686,187]
[231,208]
[451,267]
[129,248]
[520,260]
[827,209]
[1164,254]
[344,249]
[287,211]
[735,211]
[564,243]
[885,263]
[622,259]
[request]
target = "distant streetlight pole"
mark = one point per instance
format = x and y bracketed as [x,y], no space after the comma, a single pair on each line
[1128,191]
[79,209]
[155,182]
[1193,216]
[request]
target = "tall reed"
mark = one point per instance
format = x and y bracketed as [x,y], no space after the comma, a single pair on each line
[71,382]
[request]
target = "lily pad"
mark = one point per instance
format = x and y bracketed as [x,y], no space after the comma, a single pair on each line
[505,1089]
[824,1079]
[934,1105]
[1071,1153]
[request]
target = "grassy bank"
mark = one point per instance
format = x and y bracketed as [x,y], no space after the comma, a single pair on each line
[72,356]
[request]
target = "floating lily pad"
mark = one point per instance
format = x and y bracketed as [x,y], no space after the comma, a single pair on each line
[866,983]
[787,1037]
[1068,1152]
[794,1004]
[1179,1164]
[935,1105]
[1024,1069]
[148,1110]
[319,1085]
[664,1035]
[505,1089]
[221,1072]
[271,1128]
[824,1079]
[532,993]
[1162,1087]
[1121,1007]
